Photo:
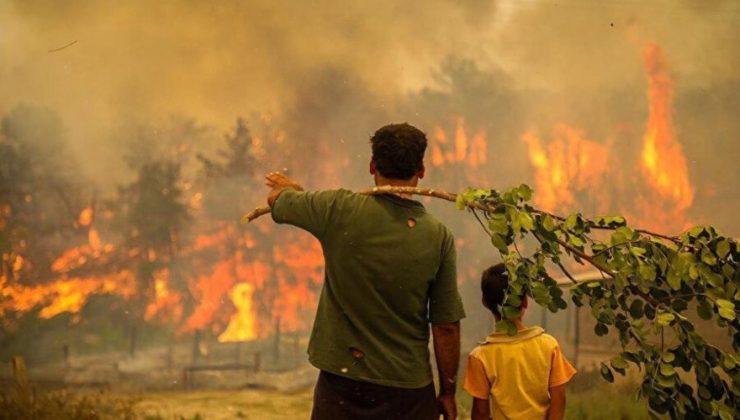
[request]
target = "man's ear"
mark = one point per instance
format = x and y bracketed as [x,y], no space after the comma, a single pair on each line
[373,169]
[421,172]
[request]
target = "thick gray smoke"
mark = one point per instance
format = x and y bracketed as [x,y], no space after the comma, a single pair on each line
[335,71]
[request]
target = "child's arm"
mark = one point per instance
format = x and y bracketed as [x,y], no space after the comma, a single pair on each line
[478,385]
[557,403]
[481,410]
[561,373]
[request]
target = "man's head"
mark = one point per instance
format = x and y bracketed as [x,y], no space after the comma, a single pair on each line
[398,152]
[494,284]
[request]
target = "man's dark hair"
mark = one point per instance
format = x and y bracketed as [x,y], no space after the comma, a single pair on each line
[398,150]
[494,283]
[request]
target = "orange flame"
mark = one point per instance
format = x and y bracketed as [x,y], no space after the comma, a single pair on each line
[86,216]
[571,166]
[463,149]
[242,326]
[166,303]
[663,160]
[63,295]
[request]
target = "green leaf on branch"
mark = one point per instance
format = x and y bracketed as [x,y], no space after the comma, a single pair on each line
[664,319]
[728,362]
[708,258]
[667,369]
[606,373]
[647,272]
[525,220]
[637,251]
[511,312]
[460,203]
[506,326]
[726,309]
[525,192]
[601,329]
[610,221]
[548,223]
[636,309]
[725,412]
[723,248]
[571,221]
[709,276]
[704,309]
[618,363]
[622,235]
[499,242]
[497,223]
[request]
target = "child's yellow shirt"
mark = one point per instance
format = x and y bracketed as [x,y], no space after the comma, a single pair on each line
[517,373]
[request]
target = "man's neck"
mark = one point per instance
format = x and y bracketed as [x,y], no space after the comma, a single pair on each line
[383,181]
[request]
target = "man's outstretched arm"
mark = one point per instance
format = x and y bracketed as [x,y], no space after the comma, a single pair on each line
[447,354]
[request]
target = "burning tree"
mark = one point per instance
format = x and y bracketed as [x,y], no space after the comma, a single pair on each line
[39,200]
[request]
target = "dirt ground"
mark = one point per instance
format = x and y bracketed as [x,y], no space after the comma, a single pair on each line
[217,405]
[600,402]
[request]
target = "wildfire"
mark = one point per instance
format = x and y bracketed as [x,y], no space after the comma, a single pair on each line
[242,326]
[166,303]
[62,295]
[574,172]
[461,149]
[568,166]
[242,283]
[663,160]
[286,275]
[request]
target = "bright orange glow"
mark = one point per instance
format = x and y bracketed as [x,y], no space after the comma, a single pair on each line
[86,216]
[210,292]
[569,165]
[93,238]
[663,160]
[63,295]
[243,325]
[166,303]
[461,141]
[574,173]
[71,258]
[468,152]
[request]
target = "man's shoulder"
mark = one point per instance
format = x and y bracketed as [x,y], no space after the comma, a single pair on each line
[325,195]
[437,224]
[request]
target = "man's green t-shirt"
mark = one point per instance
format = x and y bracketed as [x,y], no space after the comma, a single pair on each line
[386,279]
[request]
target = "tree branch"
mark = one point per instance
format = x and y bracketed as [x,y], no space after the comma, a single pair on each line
[386,189]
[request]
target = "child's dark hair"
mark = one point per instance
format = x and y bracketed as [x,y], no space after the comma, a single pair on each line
[494,283]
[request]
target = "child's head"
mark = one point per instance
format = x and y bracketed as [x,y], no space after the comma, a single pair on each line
[494,284]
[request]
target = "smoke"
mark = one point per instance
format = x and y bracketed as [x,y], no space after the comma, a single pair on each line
[336,71]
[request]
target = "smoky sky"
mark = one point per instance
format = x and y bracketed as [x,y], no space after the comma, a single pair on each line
[337,70]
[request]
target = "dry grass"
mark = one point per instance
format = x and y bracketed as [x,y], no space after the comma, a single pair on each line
[216,405]
[64,405]
[588,398]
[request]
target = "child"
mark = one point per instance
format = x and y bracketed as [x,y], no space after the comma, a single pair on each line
[524,375]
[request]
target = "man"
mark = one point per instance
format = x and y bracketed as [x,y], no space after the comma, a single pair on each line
[390,272]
